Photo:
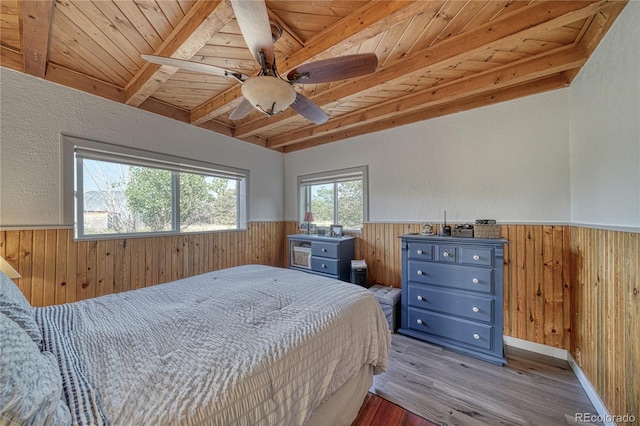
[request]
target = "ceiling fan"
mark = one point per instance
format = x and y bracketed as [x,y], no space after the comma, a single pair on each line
[268,92]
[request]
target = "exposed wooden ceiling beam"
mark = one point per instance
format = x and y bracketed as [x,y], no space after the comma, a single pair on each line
[372,18]
[368,21]
[561,60]
[199,25]
[600,24]
[289,36]
[218,128]
[10,58]
[36,27]
[79,81]
[493,97]
[519,24]
[216,106]
[595,31]
[161,108]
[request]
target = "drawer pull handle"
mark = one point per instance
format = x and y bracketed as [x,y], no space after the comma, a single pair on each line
[324,250]
[420,272]
[476,257]
[475,309]
[475,281]
[476,336]
[420,298]
[324,266]
[446,254]
[420,252]
[420,322]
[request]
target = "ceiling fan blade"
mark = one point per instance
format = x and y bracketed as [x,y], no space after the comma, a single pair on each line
[194,66]
[306,108]
[334,69]
[243,109]
[254,24]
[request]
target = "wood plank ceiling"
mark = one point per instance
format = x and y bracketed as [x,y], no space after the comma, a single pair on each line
[435,57]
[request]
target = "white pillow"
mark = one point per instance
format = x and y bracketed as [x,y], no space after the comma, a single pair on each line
[16,307]
[31,391]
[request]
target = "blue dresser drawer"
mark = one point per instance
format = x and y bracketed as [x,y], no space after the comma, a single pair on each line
[420,251]
[459,330]
[324,249]
[476,308]
[454,276]
[476,255]
[447,254]
[326,266]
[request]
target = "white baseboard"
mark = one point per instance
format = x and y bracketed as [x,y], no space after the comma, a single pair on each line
[603,413]
[565,355]
[535,347]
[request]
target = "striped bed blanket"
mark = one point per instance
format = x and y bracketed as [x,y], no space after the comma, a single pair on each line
[249,345]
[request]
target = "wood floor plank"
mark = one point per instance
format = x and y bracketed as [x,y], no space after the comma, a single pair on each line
[369,409]
[449,388]
[376,411]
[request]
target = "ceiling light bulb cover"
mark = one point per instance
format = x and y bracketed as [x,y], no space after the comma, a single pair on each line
[268,94]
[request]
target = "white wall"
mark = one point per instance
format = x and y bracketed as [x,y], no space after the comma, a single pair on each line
[509,162]
[33,114]
[605,129]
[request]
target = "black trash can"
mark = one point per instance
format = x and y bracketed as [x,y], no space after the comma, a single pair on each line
[359,272]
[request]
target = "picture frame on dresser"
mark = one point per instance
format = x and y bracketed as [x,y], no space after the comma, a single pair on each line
[336,230]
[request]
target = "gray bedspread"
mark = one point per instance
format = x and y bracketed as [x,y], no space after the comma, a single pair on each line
[248,345]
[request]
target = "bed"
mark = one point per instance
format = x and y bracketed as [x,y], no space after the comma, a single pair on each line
[248,345]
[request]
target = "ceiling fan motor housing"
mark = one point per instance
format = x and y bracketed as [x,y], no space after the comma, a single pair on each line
[268,94]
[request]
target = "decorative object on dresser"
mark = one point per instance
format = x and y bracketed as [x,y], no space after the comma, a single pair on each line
[445,229]
[388,297]
[308,217]
[328,256]
[486,228]
[453,293]
[426,229]
[463,231]
[336,230]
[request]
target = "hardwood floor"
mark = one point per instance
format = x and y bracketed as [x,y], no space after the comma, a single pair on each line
[448,388]
[376,411]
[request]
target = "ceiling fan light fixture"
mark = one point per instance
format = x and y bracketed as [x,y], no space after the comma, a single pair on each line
[268,94]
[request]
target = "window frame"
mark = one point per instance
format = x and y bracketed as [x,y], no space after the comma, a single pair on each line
[102,151]
[334,176]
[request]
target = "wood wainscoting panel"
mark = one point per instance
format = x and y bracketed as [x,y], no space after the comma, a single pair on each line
[537,274]
[537,284]
[606,306]
[56,269]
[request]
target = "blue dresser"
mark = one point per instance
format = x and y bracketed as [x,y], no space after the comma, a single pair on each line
[329,256]
[452,293]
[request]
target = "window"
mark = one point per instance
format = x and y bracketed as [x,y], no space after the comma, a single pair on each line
[338,197]
[121,191]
